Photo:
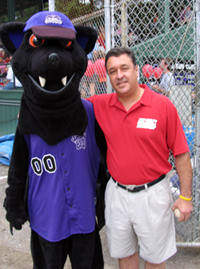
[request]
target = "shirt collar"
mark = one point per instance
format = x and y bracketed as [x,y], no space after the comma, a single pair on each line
[146,98]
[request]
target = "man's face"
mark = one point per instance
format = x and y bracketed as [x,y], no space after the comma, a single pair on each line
[163,66]
[123,74]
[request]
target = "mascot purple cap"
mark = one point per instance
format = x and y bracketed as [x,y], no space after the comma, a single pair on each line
[55,164]
[51,25]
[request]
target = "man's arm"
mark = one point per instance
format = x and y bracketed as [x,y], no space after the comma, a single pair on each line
[7,81]
[184,169]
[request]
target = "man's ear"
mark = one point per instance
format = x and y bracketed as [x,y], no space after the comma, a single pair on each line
[137,71]
[86,37]
[11,35]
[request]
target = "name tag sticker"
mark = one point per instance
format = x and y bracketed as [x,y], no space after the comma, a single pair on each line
[147,123]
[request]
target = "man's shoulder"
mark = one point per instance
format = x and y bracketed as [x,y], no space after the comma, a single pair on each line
[160,100]
[159,97]
[95,99]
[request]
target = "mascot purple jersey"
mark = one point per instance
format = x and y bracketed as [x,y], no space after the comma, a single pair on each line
[57,184]
[54,167]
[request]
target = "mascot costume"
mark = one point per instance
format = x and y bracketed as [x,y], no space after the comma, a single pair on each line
[55,162]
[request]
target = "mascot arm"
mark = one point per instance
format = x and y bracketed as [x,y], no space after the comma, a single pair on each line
[103,176]
[17,177]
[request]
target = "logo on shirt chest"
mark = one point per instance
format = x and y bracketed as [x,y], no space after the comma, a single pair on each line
[147,123]
[80,141]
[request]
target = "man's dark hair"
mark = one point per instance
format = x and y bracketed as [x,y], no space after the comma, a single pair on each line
[116,52]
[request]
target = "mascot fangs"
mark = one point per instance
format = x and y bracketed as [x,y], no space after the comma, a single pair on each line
[55,159]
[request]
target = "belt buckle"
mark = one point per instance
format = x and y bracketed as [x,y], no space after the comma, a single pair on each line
[130,190]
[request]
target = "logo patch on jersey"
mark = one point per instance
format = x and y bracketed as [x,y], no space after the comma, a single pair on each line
[80,141]
[147,123]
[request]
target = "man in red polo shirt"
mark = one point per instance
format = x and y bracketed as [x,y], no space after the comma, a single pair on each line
[140,127]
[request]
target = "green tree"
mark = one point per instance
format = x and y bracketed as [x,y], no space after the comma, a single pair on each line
[77,8]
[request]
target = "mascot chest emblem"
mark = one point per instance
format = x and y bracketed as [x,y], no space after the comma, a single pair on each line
[80,141]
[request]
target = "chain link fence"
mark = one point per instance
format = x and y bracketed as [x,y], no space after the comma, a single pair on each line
[154,30]
[94,79]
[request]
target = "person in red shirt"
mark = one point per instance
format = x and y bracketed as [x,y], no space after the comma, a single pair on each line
[140,128]
[101,37]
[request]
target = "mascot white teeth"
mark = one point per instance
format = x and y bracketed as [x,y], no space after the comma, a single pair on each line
[55,162]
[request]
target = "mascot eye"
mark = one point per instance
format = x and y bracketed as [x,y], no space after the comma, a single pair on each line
[65,43]
[35,42]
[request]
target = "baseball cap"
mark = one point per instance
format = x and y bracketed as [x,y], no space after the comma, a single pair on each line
[51,25]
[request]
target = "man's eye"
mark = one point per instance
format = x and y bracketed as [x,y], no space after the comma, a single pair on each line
[112,72]
[35,42]
[65,43]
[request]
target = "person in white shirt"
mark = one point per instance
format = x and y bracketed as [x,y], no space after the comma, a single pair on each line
[10,81]
[167,79]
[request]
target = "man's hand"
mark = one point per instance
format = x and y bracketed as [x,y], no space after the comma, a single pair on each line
[184,170]
[185,208]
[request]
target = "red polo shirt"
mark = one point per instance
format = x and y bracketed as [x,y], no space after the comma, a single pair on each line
[138,141]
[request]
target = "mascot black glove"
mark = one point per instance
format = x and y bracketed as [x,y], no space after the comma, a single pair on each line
[16,213]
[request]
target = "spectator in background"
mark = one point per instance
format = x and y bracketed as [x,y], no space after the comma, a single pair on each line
[167,79]
[185,15]
[90,56]
[9,85]
[95,84]
[101,37]
[6,57]
[100,72]
[83,87]
[2,65]
[3,69]
[188,14]
[181,16]
[132,38]
[97,52]
[118,34]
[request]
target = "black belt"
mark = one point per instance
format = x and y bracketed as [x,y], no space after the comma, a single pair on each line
[139,188]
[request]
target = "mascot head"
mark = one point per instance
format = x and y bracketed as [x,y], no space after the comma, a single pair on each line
[49,57]
[49,53]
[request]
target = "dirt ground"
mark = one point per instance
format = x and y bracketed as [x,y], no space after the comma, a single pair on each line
[15,250]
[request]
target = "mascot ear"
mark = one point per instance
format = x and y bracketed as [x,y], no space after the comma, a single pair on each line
[86,37]
[11,35]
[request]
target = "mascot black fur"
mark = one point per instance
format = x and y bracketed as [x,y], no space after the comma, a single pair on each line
[55,159]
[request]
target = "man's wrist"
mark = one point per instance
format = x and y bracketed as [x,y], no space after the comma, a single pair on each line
[185,198]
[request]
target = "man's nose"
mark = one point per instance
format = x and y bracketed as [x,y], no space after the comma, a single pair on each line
[119,74]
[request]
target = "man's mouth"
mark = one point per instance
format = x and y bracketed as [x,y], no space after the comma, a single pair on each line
[121,83]
[50,88]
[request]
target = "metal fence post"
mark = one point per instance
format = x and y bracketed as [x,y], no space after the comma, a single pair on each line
[124,24]
[107,36]
[197,126]
[51,5]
